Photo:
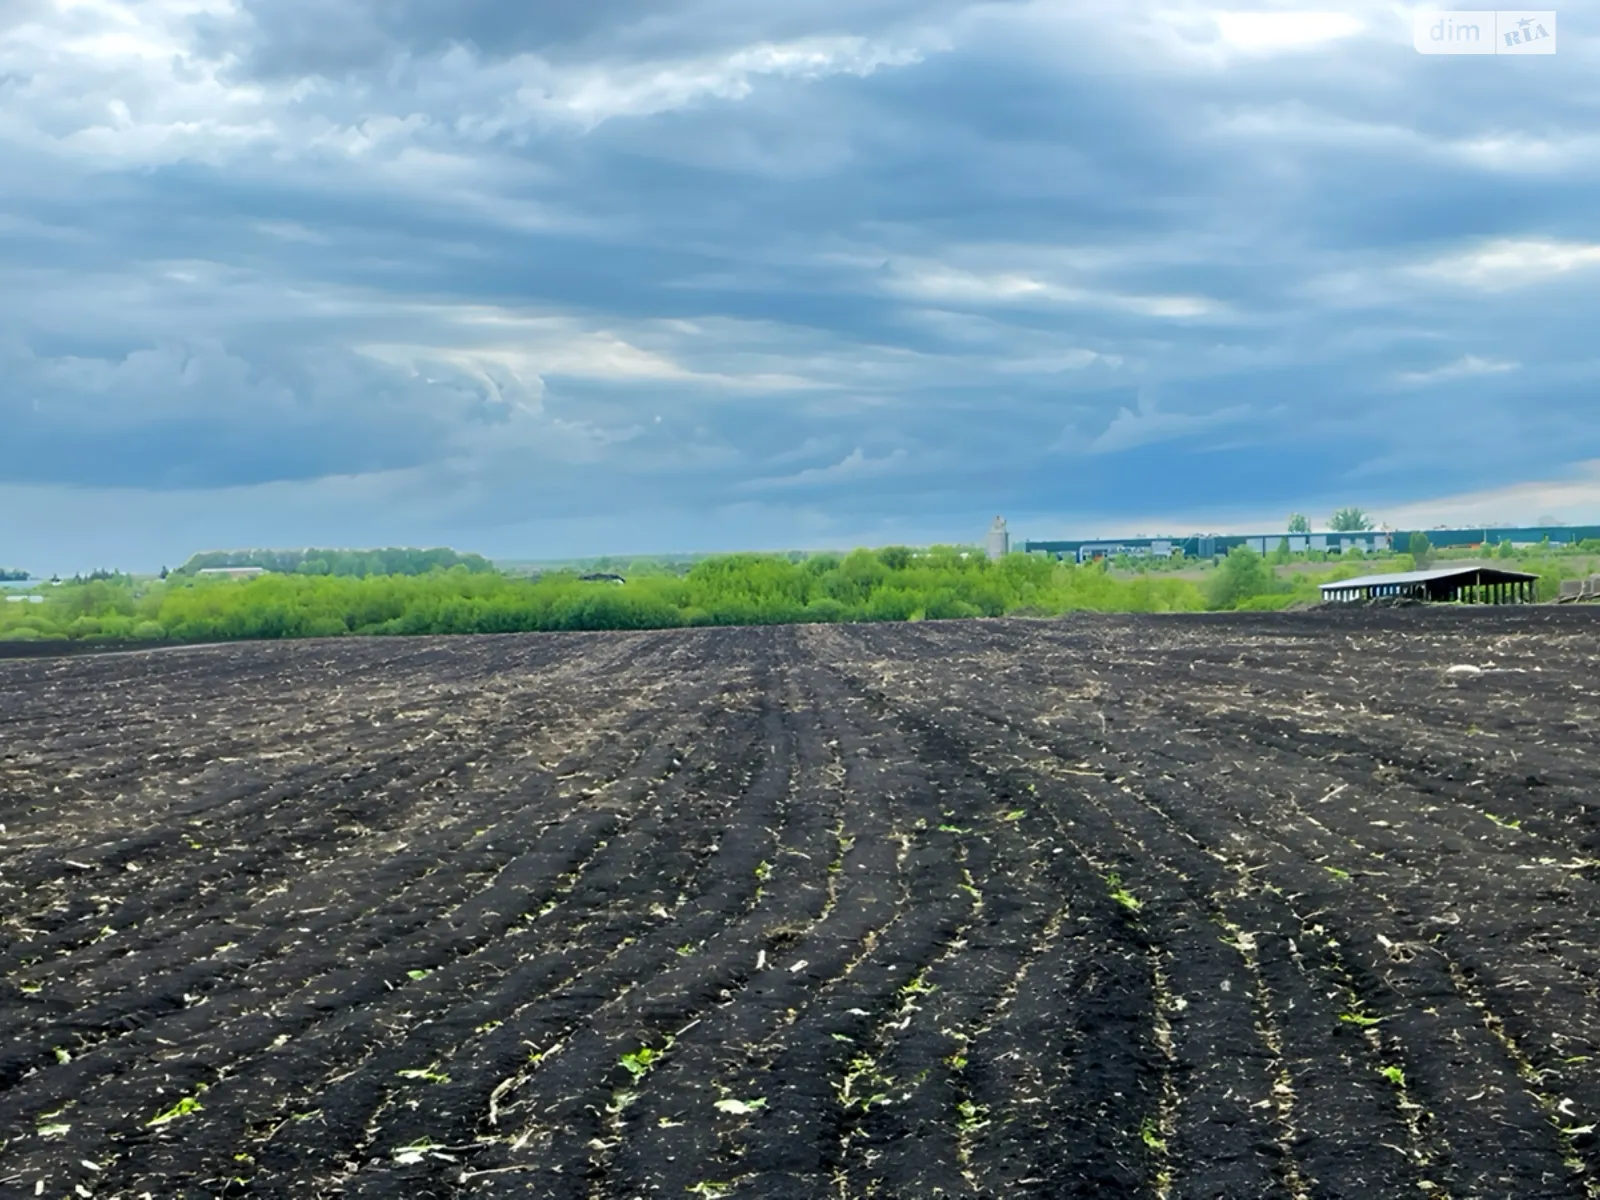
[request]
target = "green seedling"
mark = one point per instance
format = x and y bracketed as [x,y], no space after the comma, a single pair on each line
[488,1027]
[189,1104]
[638,1063]
[711,1191]
[1151,1137]
[1502,822]
[685,950]
[763,871]
[425,1074]
[419,974]
[1341,875]
[953,829]
[1394,1075]
[1122,895]
[1353,1018]
[1016,814]
[741,1108]
[54,1131]
[971,1117]
[863,1069]
[956,1062]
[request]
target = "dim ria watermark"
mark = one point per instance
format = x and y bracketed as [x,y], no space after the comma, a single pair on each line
[1485,32]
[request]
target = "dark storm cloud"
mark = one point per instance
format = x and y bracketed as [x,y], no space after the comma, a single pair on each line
[277,38]
[842,262]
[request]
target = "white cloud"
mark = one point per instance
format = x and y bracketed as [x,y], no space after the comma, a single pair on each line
[1266,32]
[1464,367]
[1147,424]
[855,465]
[940,283]
[1527,152]
[292,231]
[1510,263]
[1575,500]
[529,348]
[128,83]
[591,95]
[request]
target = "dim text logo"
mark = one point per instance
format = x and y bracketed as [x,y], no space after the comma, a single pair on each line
[1485,32]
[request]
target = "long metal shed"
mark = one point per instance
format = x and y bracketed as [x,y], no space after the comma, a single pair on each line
[1469,585]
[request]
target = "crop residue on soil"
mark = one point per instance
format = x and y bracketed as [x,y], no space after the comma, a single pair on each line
[1244,906]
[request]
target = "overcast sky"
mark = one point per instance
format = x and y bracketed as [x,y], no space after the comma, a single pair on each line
[592,276]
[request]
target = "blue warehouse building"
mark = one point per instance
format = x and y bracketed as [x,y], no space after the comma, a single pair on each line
[1217,545]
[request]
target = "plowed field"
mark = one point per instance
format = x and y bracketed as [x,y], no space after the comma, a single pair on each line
[1247,906]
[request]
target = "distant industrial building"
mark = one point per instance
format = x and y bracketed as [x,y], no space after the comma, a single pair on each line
[230,572]
[1207,545]
[999,542]
[1470,585]
[1216,545]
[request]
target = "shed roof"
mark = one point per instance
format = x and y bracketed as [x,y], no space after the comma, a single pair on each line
[1480,574]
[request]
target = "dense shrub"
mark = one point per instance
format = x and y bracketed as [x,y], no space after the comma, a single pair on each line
[897,584]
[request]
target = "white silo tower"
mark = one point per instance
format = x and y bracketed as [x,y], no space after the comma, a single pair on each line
[999,540]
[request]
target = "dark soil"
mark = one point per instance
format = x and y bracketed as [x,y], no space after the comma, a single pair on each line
[1270,905]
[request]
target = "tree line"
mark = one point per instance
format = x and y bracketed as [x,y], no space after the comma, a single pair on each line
[893,584]
[392,560]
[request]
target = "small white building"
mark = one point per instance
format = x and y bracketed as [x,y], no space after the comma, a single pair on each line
[230,572]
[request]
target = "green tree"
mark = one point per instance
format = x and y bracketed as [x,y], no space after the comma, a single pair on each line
[1421,550]
[1298,523]
[1282,554]
[1505,549]
[1243,574]
[1350,520]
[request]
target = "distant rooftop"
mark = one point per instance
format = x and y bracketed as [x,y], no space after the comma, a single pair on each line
[1487,574]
